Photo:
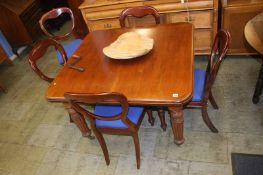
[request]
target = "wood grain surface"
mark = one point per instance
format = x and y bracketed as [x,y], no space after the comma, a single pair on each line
[162,77]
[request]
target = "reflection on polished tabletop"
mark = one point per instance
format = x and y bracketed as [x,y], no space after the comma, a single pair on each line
[163,77]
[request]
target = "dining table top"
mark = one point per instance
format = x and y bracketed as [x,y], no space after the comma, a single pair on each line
[164,76]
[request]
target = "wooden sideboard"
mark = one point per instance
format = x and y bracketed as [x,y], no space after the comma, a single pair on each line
[104,14]
[235,15]
[19,21]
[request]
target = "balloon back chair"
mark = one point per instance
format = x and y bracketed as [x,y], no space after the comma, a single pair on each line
[39,51]
[120,119]
[204,79]
[69,47]
[139,12]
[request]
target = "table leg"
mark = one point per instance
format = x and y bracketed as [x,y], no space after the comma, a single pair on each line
[177,121]
[259,85]
[79,121]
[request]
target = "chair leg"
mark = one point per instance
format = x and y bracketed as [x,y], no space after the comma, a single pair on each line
[212,101]
[259,86]
[103,145]
[161,115]
[70,119]
[207,120]
[2,88]
[150,115]
[137,149]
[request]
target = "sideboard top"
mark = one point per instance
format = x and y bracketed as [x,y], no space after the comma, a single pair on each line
[97,3]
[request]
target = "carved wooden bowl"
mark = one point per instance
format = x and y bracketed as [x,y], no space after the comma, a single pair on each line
[129,45]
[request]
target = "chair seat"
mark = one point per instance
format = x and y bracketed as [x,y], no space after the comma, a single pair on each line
[199,82]
[134,114]
[70,49]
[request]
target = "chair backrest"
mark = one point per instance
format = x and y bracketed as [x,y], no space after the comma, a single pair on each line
[53,14]
[39,51]
[218,52]
[139,12]
[77,99]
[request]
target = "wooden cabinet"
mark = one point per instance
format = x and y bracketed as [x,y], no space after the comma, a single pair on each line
[19,21]
[235,15]
[80,26]
[104,14]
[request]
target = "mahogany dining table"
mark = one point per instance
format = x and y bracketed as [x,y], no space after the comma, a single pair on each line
[163,77]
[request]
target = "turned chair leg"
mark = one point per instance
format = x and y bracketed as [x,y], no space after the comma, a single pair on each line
[137,149]
[207,120]
[103,146]
[161,115]
[70,119]
[150,116]
[212,101]
[2,88]
[259,85]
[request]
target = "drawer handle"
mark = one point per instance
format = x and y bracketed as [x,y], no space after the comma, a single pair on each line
[189,19]
[107,25]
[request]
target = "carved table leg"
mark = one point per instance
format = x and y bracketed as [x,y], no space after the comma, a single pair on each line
[79,121]
[259,85]
[177,121]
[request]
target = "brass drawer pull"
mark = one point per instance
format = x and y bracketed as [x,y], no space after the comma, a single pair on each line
[107,25]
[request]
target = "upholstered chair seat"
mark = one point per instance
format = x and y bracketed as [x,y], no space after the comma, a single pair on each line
[199,84]
[70,48]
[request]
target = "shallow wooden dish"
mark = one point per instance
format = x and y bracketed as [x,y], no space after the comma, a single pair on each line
[129,45]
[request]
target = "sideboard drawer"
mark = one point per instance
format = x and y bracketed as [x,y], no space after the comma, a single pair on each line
[203,14]
[103,24]
[200,19]
[202,40]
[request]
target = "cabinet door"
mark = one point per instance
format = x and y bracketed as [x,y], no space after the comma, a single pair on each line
[234,20]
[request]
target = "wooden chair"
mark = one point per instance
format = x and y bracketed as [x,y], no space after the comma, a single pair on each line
[139,12]
[120,120]
[204,79]
[38,52]
[69,47]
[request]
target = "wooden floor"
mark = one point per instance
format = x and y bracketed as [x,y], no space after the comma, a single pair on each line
[36,137]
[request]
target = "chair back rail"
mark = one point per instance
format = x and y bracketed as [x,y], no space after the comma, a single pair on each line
[139,12]
[39,51]
[218,52]
[76,99]
[53,14]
